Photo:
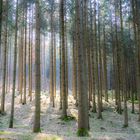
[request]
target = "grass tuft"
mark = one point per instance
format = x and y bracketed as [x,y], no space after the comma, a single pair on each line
[82,132]
[135,101]
[5,133]
[125,125]
[67,118]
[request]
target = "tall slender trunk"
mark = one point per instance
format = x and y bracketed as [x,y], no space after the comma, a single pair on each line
[117,63]
[5,18]
[74,66]
[21,67]
[60,55]
[10,61]
[54,65]
[100,71]
[105,66]
[93,60]
[14,70]
[83,120]
[1,9]
[123,69]
[137,6]
[36,127]
[25,52]
[66,64]
[63,64]
[52,56]
[29,58]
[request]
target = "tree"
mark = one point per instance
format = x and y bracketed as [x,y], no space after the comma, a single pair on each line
[1,8]
[5,18]
[99,67]
[83,119]
[124,83]
[105,84]
[63,64]
[30,57]
[36,127]
[137,16]
[94,63]
[52,55]
[117,68]
[14,70]
[21,56]
[25,50]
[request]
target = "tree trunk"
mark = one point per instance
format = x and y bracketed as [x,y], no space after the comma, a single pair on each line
[1,10]
[5,18]
[14,70]
[63,65]
[25,53]
[36,127]
[83,120]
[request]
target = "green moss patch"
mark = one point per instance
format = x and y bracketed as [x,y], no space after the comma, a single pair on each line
[135,101]
[82,132]
[5,133]
[67,118]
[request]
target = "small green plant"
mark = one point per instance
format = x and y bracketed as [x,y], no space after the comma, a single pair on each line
[67,118]
[4,133]
[135,101]
[125,126]
[82,132]
[2,113]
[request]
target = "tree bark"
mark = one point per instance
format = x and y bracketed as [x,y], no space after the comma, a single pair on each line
[5,18]
[36,127]
[14,70]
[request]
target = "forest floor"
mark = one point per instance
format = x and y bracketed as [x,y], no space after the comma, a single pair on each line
[53,128]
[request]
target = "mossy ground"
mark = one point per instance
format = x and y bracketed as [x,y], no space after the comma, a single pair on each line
[67,118]
[82,132]
[135,101]
[5,135]
[54,128]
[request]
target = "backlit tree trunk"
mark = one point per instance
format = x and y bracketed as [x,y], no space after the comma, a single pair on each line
[36,127]
[1,8]
[14,70]
[63,64]
[25,52]
[5,18]
[82,85]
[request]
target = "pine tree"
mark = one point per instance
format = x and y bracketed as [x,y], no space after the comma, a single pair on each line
[14,70]
[63,63]
[36,127]
[1,9]
[5,18]
[83,119]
